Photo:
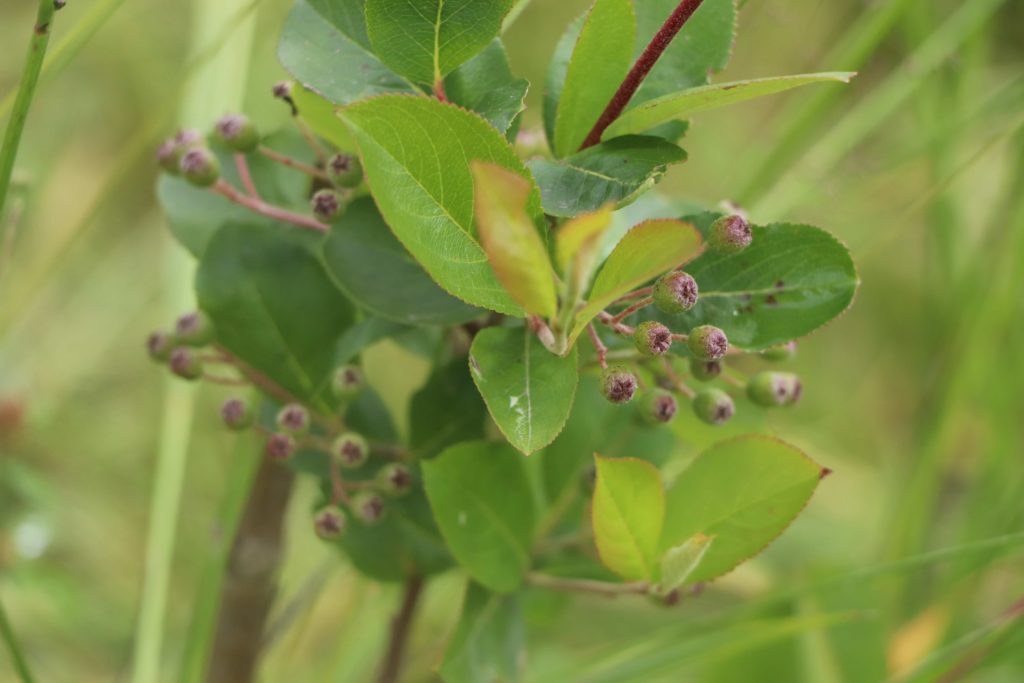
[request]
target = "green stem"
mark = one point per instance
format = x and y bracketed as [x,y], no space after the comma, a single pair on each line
[17,658]
[26,91]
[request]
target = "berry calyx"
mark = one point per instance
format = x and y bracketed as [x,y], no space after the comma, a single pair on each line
[350,450]
[618,384]
[282,90]
[782,352]
[713,406]
[347,382]
[329,522]
[200,167]
[707,342]
[705,370]
[169,154]
[327,205]
[367,506]
[652,338]
[394,479]
[236,414]
[661,406]
[771,389]
[730,234]
[280,446]
[345,170]
[293,419]
[194,329]
[675,292]
[159,345]
[236,132]
[185,363]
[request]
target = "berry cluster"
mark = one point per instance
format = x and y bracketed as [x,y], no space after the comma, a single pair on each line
[335,176]
[707,347]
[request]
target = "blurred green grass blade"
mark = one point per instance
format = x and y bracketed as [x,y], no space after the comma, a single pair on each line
[23,100]
[877,108]
[14,648]
[70,44]
[215,88]
[803,116]
[245,461]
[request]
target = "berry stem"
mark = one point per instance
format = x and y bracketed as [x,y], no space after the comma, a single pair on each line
[602,350]
[310,138]
[676,380]
[225,381]
[400,626]
[225,189]
[636,293]
[246,176]
[629,310]
[558,583]
[338,493]
[662,39]
[294,163]
[544,333]
[608,319]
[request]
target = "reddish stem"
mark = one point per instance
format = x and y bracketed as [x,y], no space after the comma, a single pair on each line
[626,312]
[608,319]
[294,163]
[225,189]
[439,92]
[602,350]
[668,31]
[400,627]
[635,294]
[243,173]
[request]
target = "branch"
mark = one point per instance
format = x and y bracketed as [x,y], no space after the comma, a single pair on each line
[294,163]
[629,310]
[225,189]
[246,176]
[400,626]
[643,66]
[26,91]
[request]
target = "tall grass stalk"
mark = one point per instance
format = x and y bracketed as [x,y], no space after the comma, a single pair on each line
[216,87]
[18,660]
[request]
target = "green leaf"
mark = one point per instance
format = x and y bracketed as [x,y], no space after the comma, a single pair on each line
[648,250]
[488,641]
[446,411]
[486,85]
[322,47]
[628,512]
[273,305]
[195,215]
[683,103]
[361,335]
[376,271]
[744,492]
[510,239]
[528,390]
[679,562]
[614,172]
[319,115]
[554,80]
[482,502]
[425,40]
[702,47]
[790,281]
[599,62]
[416,152]
[577,245]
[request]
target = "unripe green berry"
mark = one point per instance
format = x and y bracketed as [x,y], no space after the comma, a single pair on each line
[282,90]
[327,205]
[200,167]
[707,342]
[170,152]
[236,132]
[770,389]
[350,450]
[618,384]
[329,522]
[281,446]
[345,170]
[652,338]
[194,329]
[236,414]
[159,345]
[782,352]
[713,406]
[367,506]
[347,382]
[185,363]
[675,292]
[661,406]
[394,479]
[705,370]
[730,234]
[293,419]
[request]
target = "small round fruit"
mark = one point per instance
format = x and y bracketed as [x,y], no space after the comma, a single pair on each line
[395,479]
[782,352]
[200,167]
[281,446]
[345,170]
[327,205]
[618,384]
[347,382]
[367,506]
[329,522]
[159,345]
[661,406]
[350,451]
[652,338]
[236,414]
[730,234]
[293,419]
[194,329]
[707,342]
[770,389]
[713,406]
[675,292]
[705,370]
[236,132]
[185,363]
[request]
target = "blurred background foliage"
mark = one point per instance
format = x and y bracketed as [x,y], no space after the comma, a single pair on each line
[906,566]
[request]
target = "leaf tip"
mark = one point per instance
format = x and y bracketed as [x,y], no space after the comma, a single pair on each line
[825,471]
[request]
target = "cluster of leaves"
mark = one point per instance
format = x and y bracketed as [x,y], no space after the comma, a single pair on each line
[454,236]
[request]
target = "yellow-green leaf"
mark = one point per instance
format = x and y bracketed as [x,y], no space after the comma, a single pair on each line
[577,244]
[628,512]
